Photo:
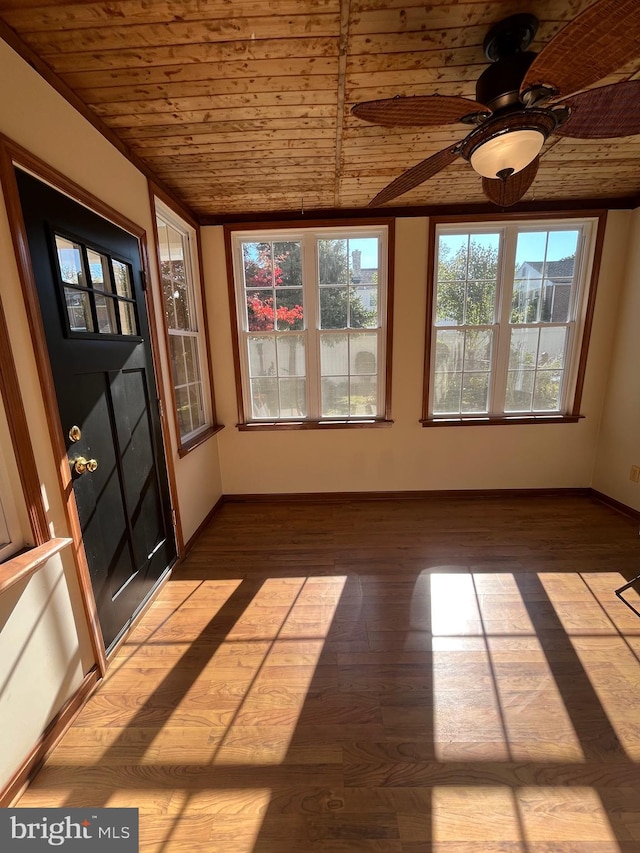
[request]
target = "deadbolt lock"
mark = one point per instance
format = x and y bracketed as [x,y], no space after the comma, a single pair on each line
[81,465]
[75,434]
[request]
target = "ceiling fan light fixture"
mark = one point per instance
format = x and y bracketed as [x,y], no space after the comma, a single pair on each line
[507,152]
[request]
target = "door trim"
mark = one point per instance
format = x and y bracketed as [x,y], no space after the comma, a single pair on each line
[12,154]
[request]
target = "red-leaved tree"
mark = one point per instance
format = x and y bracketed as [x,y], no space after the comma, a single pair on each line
[265,272]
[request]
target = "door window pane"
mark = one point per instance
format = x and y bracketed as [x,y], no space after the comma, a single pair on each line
[78,310]
[106,314]
[99,270]
[122,276]
[128,322]
[70,261]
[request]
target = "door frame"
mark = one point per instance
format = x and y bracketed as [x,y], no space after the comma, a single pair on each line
[12,155]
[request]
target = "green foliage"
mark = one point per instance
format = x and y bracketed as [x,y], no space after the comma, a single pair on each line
[340,306]
[466,292]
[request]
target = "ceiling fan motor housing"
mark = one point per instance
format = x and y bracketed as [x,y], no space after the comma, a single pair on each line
[499,84]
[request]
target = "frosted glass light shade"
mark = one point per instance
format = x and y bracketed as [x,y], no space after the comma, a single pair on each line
[512,150]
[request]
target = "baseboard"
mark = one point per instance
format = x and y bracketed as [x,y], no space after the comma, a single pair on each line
[49,739]
[145,606]
[614,504]
[203,524]
[344,497]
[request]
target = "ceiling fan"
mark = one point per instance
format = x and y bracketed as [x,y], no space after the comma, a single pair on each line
[522,98]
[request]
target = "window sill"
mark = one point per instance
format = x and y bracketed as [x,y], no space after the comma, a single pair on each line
[262,426]
[502,421]
[199,439]
[28,562]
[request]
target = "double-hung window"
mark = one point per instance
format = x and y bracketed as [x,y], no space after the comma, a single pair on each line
[184,324]
[508,313]
[313,336]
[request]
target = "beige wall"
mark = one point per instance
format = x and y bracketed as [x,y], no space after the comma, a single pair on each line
[44,644]
[51,129]
[619,446]
[41,659]
[408,456]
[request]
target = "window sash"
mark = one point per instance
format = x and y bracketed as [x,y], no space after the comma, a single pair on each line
[501,370]
[183,322]
[312,335]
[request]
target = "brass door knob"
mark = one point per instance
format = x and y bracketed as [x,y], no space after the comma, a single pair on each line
[81,465]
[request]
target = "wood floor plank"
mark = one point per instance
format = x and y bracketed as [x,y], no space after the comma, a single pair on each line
[424,676]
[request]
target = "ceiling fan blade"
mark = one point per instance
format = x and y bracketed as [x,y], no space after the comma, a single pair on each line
[508,192]
[417,110]
[415,176]
[603,113]
[591,47]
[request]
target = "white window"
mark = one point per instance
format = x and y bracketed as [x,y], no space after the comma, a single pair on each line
[184,318]
[311,307]
[509,309]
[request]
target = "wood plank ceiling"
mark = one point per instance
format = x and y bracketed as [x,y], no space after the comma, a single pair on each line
[243,106]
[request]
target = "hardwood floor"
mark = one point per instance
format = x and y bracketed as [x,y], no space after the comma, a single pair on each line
[428,676]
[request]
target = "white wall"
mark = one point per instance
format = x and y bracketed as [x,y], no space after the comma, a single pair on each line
[619,446]
[44,643]
[408,456]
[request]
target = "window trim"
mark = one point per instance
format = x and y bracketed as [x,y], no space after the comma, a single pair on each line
[334,227]
[163,209]
[579,360]
[19,452]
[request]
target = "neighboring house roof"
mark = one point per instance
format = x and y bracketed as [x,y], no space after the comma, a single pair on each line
[364,276]
[553,269]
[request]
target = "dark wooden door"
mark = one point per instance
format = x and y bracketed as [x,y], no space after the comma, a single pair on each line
[90,286]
